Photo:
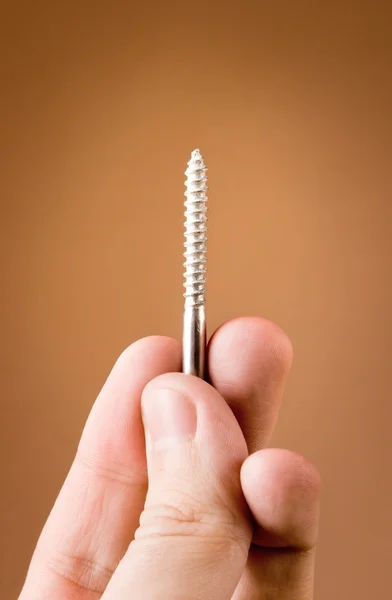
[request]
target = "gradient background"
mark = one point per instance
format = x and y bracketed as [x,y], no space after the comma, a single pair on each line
[291,105]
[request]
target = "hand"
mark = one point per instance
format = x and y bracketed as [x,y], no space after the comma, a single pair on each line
[224,518]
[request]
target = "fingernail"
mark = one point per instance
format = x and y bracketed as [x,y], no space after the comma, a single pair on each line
[169,414]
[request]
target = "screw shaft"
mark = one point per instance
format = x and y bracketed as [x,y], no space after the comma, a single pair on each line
[194,332]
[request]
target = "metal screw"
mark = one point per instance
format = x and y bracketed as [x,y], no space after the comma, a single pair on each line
[194,330]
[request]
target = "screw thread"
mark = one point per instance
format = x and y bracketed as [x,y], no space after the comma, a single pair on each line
[195,231]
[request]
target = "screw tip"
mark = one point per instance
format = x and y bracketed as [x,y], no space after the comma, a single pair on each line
[196,154]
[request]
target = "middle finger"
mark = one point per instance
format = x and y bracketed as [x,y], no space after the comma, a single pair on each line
[249,359]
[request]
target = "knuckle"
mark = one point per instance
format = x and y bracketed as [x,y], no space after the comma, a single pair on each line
[99,464]
[76,570]
[186,517]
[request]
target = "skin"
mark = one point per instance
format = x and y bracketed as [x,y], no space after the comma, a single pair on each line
[174,492]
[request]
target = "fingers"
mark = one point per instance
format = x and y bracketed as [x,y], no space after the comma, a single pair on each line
[98,508]
[249,361]
[194,493]
[194,531]
[282,490]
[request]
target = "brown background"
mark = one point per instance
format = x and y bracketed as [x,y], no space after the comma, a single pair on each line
[290,103]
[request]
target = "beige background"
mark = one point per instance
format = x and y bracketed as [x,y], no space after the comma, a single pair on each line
[290,102]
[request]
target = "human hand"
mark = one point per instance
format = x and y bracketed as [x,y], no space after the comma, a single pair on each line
[224,518]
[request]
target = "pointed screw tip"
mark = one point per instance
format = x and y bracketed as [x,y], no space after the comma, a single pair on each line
[196,153]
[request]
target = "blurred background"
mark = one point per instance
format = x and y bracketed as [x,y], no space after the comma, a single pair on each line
[290,103]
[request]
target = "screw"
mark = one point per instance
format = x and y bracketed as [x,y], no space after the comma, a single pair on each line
[194,329]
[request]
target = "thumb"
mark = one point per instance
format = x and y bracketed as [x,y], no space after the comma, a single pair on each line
[194,532]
